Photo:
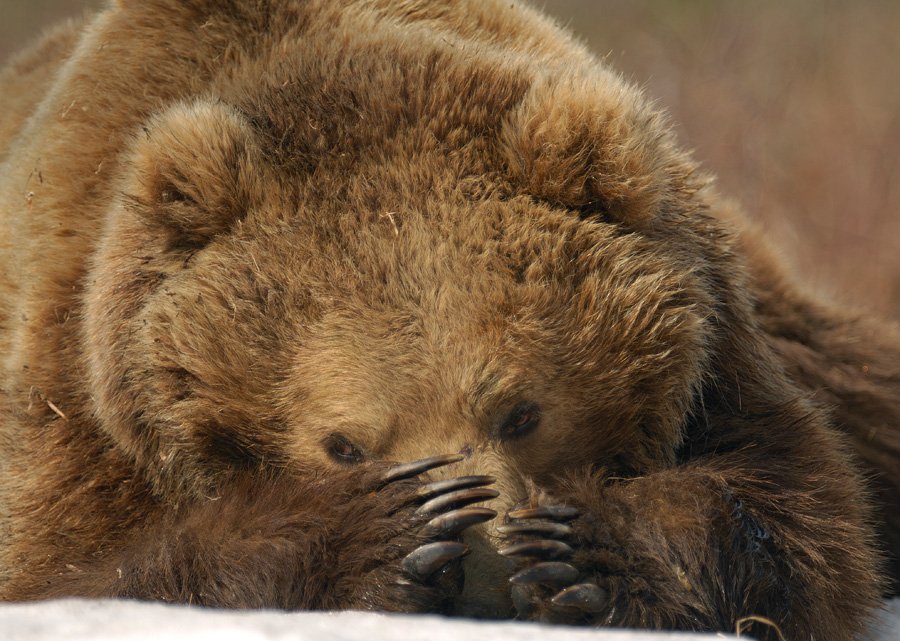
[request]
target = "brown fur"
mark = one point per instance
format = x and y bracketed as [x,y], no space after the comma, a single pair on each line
[236,228]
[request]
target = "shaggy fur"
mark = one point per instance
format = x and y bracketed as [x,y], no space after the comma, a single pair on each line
[235,231]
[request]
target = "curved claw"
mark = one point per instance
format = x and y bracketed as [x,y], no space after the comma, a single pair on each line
[544,528]
[452,523]
[431,490]
[427,559]
[457,499]
[587,597]
[554,512]
[544,549]
[407,470]
[554,574]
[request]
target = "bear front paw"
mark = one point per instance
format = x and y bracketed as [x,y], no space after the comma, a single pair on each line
[445,505]
[420,569]
[550,587]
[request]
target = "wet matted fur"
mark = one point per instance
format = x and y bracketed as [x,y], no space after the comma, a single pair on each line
[256,251]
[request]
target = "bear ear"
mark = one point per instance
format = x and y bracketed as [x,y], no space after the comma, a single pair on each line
[196,171]
[594,144]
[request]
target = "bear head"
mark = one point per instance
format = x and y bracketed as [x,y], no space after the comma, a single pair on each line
[512,262]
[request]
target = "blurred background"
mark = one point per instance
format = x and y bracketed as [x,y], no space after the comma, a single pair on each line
[795,106]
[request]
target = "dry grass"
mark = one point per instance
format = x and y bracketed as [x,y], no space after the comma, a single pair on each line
[795,105]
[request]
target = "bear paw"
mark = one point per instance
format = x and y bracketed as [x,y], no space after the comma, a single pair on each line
[550,588]
[426,576]
[445,505]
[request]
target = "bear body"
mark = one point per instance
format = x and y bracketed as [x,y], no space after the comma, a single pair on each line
[304,301]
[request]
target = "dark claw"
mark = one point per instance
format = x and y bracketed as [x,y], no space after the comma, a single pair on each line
[543,549]
[453,500]
[427,559]
[555,512]
[406,470]
[451,485]
[452,523]
[554,574]
[584,596]
[544,528]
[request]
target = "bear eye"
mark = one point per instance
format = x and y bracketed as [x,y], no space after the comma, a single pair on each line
[342,450]
[523,418]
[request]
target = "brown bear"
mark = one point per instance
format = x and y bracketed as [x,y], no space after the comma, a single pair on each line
[304,302]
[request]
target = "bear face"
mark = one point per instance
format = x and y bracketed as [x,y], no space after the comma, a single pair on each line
[240,326]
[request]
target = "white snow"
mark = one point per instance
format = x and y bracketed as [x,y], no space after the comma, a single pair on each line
[80,620]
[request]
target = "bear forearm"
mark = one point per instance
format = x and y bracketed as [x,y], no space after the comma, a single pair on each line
[258,544]
[701,546]
[295,544]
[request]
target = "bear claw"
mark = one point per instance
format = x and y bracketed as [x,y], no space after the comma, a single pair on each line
[407,470]
[460,498]
[554,574]
[427,559]
[452,523]
[545,528]
[587,597]
[450,485]
[555,512]
[544,549]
